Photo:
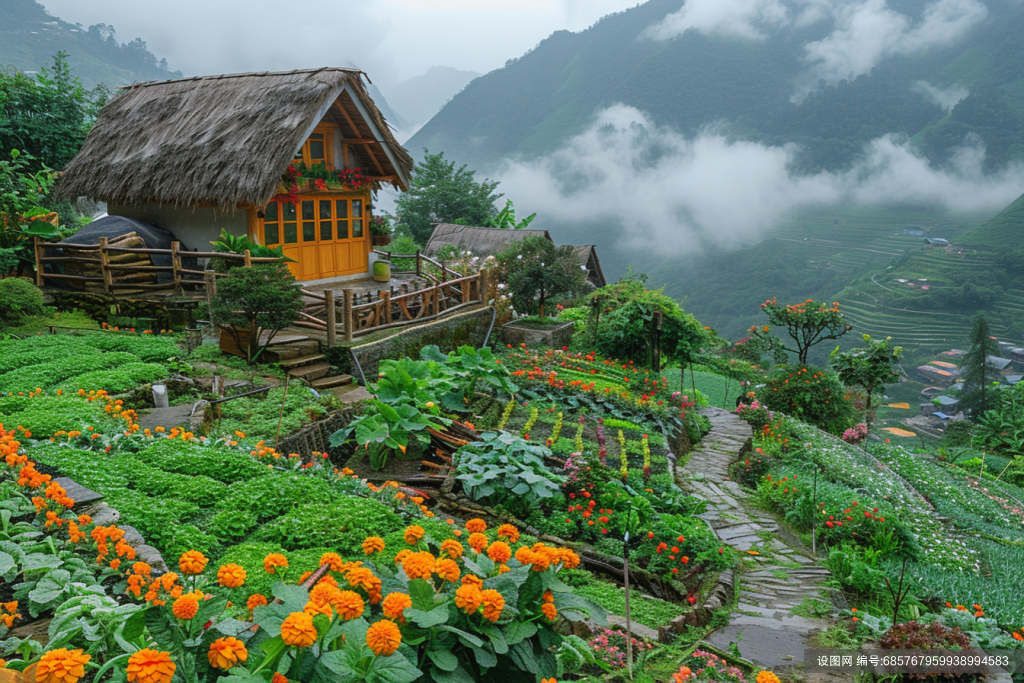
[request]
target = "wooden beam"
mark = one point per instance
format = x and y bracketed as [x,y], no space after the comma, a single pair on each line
[351,123]
[373,158]
[359,141]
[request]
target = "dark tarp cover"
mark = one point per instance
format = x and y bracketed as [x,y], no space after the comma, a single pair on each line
[115,226]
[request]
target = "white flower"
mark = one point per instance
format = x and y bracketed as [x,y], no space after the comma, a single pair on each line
[520,257]
[502,285]
[583,267]
[541,264]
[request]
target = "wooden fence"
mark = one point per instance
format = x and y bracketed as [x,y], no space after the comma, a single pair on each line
[112,269]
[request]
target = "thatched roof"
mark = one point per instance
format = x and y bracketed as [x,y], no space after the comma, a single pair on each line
[587,254]
[481,241]
[225,141]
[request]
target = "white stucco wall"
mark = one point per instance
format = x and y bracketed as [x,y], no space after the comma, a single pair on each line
[194,228]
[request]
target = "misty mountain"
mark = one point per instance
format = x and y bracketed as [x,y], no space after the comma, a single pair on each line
[420,97]
[29,37]
[831,80]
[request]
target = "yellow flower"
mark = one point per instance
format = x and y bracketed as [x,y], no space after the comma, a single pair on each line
[477,541]
[447,570]
[374,544]
[61,666]
[452,548]
[395,604]
[192,562]
[150,666]
[499,552]
[767,677]
[297,630]
[468,598]
[419,565]
[231,575]
[226,652]
[274,560]
[414,534]
[186,606]
[476,525]
[493,603]
[348,604]
[549,610]
[383,638]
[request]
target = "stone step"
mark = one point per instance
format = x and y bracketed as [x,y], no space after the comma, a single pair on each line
[276,354]
[328,382]
[301,360]
[280,339]
[310,372]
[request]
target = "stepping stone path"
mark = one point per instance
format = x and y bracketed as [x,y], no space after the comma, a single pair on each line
[777,577]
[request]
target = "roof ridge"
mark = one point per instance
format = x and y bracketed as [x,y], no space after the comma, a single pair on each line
[247,74]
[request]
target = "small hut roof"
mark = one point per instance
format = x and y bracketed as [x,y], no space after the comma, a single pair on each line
[587,254]
[225,140]
[481,241]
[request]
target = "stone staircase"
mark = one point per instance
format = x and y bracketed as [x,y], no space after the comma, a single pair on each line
[301,358]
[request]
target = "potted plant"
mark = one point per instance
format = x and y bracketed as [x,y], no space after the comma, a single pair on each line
[231,244]
[254,301]
[380,231]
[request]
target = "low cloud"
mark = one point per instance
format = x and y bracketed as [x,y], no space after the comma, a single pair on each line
[946,98]
[680,195]
[742,18]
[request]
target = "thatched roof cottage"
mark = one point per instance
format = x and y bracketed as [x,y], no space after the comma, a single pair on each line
[485,242]
[197,155]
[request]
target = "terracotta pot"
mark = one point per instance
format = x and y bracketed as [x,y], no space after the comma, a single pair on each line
[381,240]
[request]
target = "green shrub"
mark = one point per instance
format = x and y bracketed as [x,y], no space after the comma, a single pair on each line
[343,525]
[189,537]
[218,463]
[150,348]
[50,374]
[45,415]
[118,381]
[809,394]
[232,526]
[155,518]
[276,495]
[20,299]
[201,490]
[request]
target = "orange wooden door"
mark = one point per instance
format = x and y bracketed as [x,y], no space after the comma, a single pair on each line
[326,236]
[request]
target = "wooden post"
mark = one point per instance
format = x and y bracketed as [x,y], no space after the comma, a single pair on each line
[108,281]
[437,300]
[39,263]
[466,284]
[248,259]
[332,322]
[211,286]
[483,285]
[419,267]
[656,342]
[346,313]
[385,296]
[176,267]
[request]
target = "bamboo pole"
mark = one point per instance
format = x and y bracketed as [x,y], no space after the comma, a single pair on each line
[176,267]
[248,259]
[332,321]
[346,313]
[211,286]
[39,263]
[483,285]
[108,281]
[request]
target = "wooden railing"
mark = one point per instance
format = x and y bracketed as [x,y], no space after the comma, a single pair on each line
[425,266]
[363,313]
[106,268]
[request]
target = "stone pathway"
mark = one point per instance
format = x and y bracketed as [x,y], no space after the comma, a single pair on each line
[777,575]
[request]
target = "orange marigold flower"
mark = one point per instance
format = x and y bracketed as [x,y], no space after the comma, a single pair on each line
[468,598]
[231,575]
[226,652]
[395,604]
[477,541]
[509,533]
[419,565]
[524,556]
[549,610]
[255,600]
[493,603]
[1017,636]
[279,678]
[413,534]
[192,562]
[361,577]
[61,666]
[548,596]
[448,570]
[452,548]
[402,554]
[474,580]
[186,606]
[274,560]
[383,638]
[499,552]
[374,544]
[349,605]
[333,559]
[150,666]
[142,569]
[476,526]
[297,630]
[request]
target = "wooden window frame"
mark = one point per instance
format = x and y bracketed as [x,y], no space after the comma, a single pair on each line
[328,130]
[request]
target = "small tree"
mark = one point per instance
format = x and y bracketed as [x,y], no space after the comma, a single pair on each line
[255,300]
[808,324]
[537,269]
[978,374]
[441,193]
[870,367]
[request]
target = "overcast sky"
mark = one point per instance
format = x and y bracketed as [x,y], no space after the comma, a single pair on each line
[389,39]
